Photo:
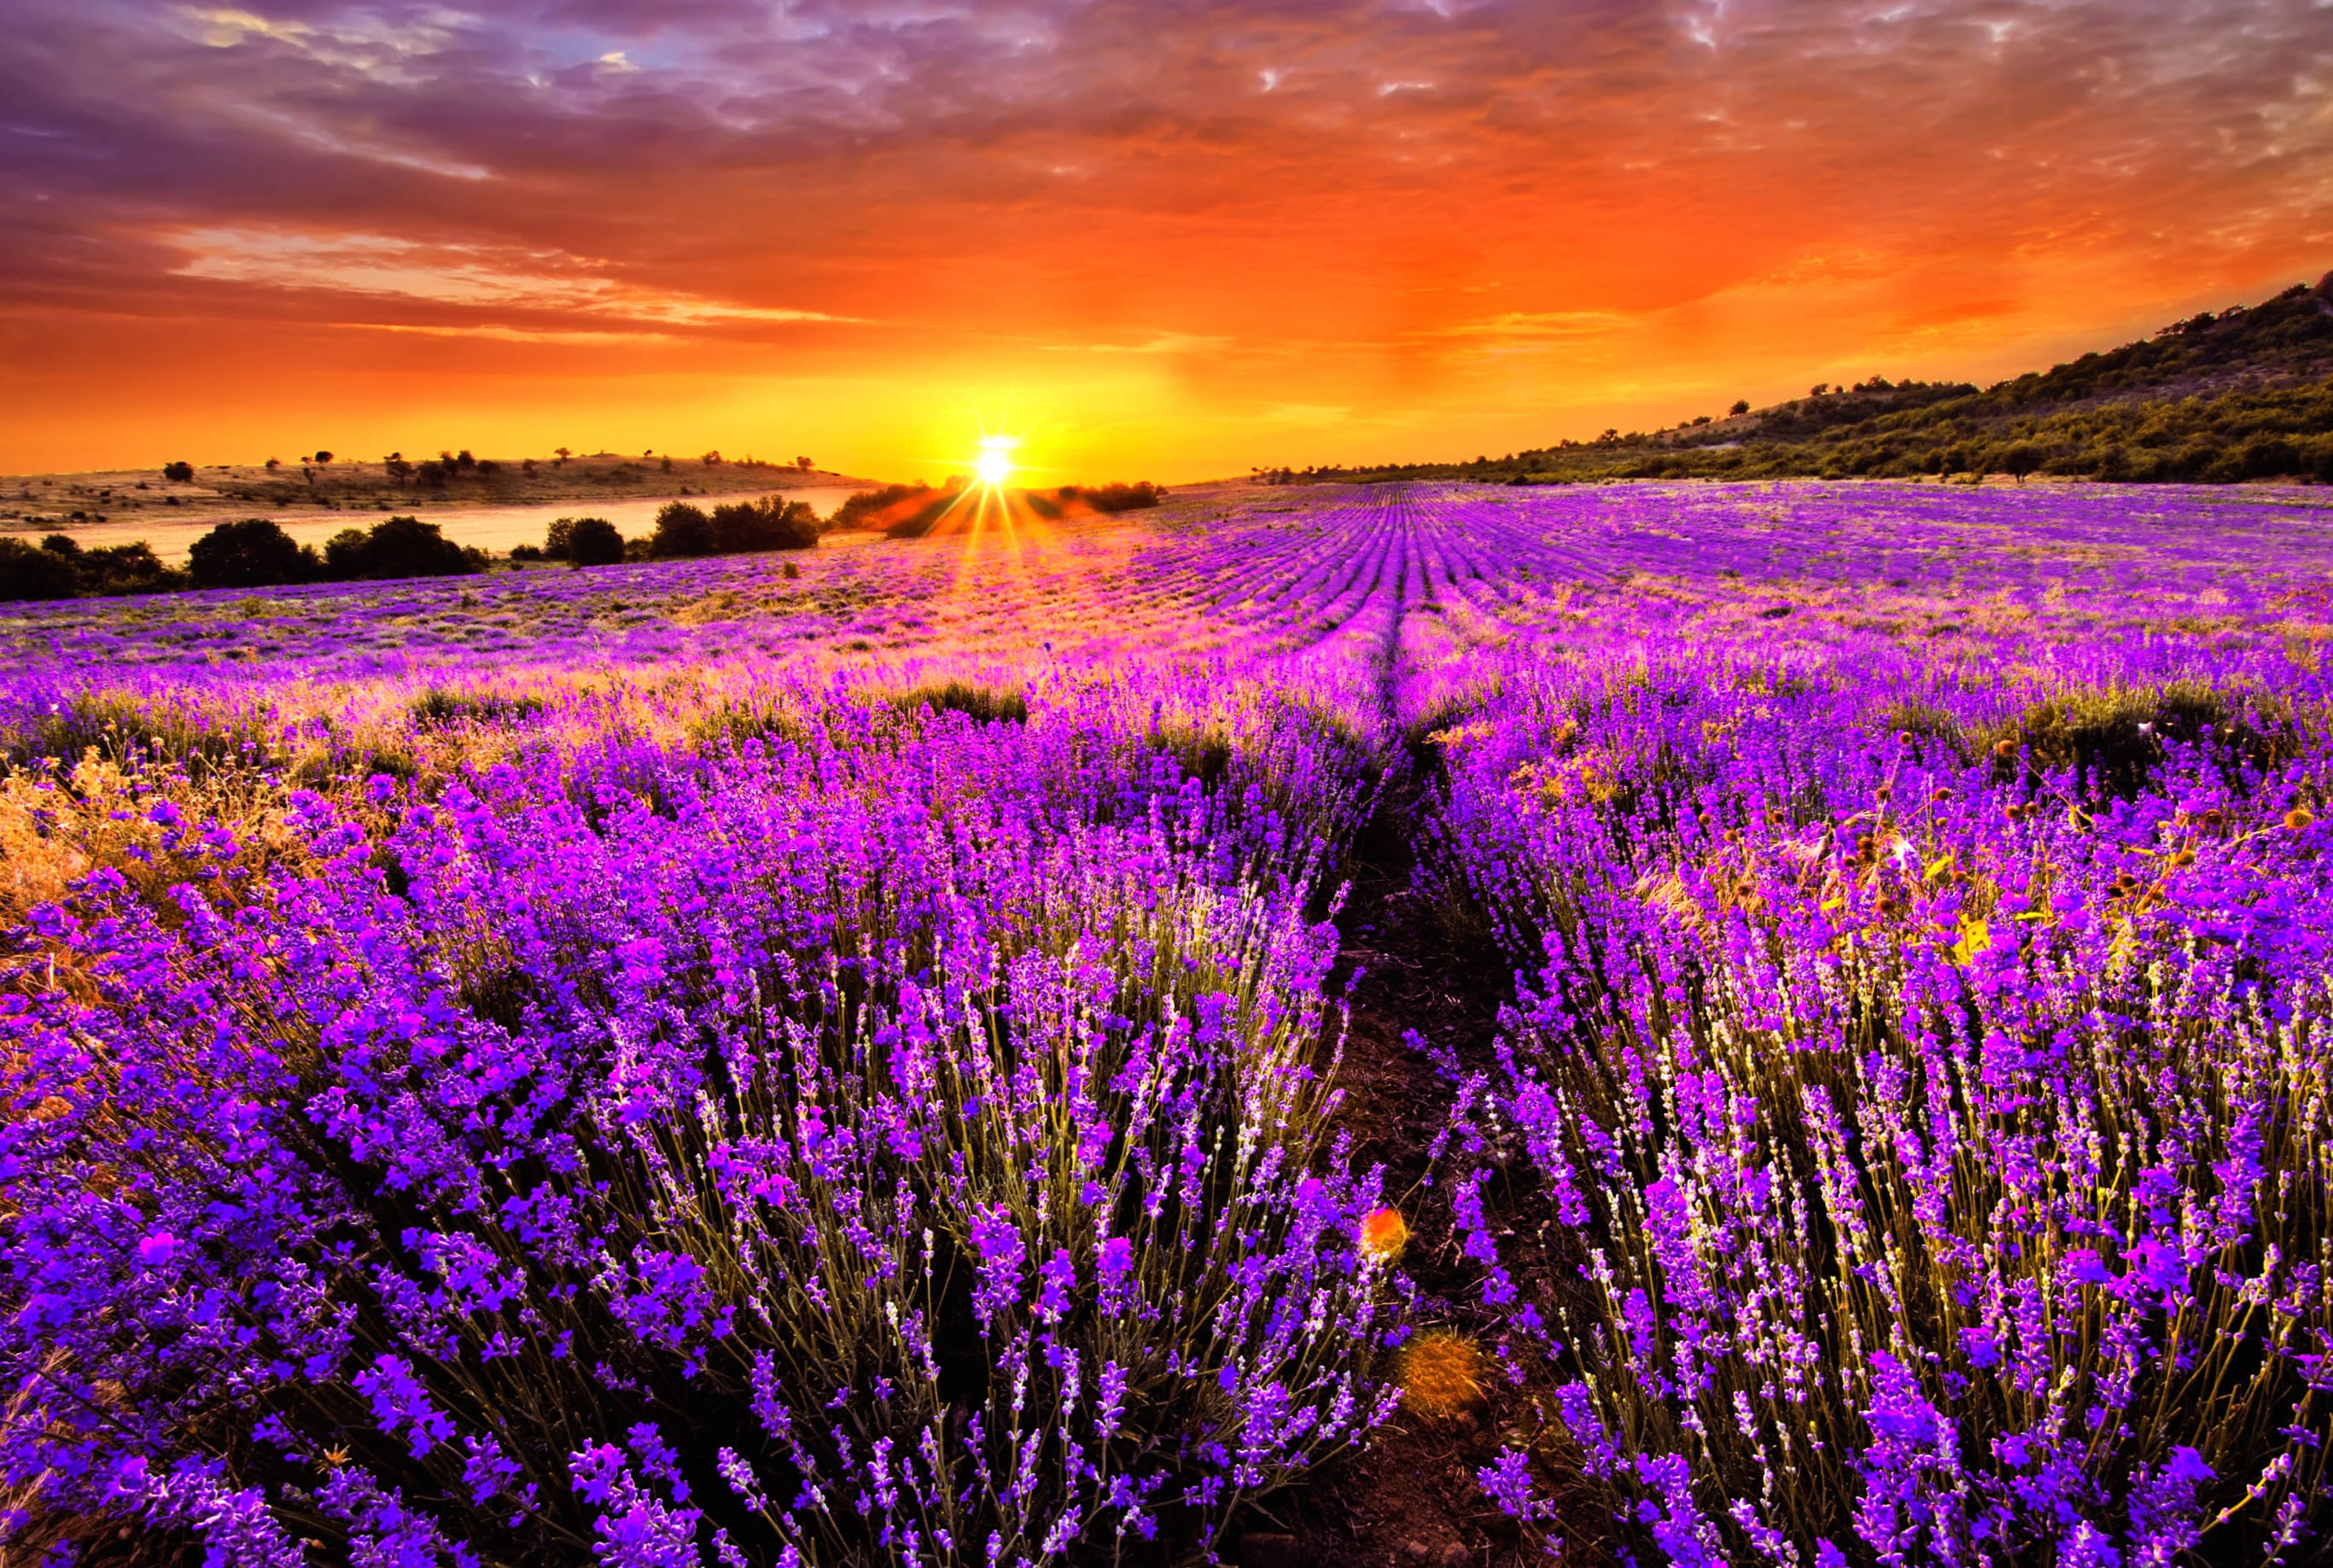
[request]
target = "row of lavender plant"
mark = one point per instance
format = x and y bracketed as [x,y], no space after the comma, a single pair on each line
[1922,1072]
[860,1134]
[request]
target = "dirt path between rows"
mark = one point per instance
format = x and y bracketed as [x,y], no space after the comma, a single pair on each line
[1411,1499]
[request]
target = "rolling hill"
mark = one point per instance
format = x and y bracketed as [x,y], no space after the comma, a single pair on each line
[2242,394]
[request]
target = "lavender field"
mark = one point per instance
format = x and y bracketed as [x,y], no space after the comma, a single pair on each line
[846,1060]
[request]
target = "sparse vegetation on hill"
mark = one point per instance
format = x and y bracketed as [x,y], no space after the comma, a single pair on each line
[2241,394]
[395,483]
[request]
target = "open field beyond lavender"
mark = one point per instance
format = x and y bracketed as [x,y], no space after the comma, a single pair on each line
[1395,1025]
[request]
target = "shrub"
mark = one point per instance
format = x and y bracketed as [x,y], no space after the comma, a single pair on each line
[516,1176]
[27,572]
[399,547]
[179,473]
[254,553]
[1935,1123]
[879,508]
[1115,497]
[682,532]
[771,522]
[594,542]
[123,569]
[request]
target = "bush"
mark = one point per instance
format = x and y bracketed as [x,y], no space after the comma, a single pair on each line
[1115,497]
[771,522]
[683,532]
[399,547]
[1933,1122]
[114,570]
[880,508]
[181,473]
[27,572]
[502,1179]
[594,542]
[254,553]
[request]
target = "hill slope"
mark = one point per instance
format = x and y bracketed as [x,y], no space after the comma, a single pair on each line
[2243,394]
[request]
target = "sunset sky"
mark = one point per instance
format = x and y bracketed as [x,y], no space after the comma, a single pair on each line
[1165,240]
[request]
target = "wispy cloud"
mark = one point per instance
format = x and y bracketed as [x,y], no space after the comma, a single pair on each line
[450,274]
[1428,214]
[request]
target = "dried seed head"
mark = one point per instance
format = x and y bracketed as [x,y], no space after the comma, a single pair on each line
[1441,1375]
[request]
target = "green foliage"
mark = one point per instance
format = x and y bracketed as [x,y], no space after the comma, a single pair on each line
[771,522]
[925,516]
[983,704]
[27,572]
[682,532]
[254,553]
[397,547]
[440,708]
[584,541]
[880,508]
[1115,497]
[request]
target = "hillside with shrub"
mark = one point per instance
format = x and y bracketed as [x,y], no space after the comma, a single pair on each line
[2242,394]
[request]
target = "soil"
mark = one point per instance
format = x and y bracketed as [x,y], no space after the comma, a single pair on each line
[1425,998]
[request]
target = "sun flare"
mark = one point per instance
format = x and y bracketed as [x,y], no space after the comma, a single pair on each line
[996,464]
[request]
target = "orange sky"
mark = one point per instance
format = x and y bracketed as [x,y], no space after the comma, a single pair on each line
[1166,240]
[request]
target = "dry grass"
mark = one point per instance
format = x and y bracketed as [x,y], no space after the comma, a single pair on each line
[1441,1375]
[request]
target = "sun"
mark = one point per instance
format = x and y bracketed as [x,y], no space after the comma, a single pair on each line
[996,464]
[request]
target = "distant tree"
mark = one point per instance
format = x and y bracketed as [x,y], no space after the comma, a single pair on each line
[878,508]
[253,554]
[399,547]
[345,554]
[526,465]
[1741,407]
[563,455]
[1116,498]
[771,522]
[29,573]
[462,459]
[178,473]
[526,552]
[682,532]
[117,569]
[2020,460]
[558,538]
[322,456]
[397,468]
[594,542]
[488,467]
[274,464]
[804,464]
[712,460]
[1818,388]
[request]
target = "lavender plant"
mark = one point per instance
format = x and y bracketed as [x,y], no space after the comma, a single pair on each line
[677,1063]
[873,1147]
[1947,1132]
